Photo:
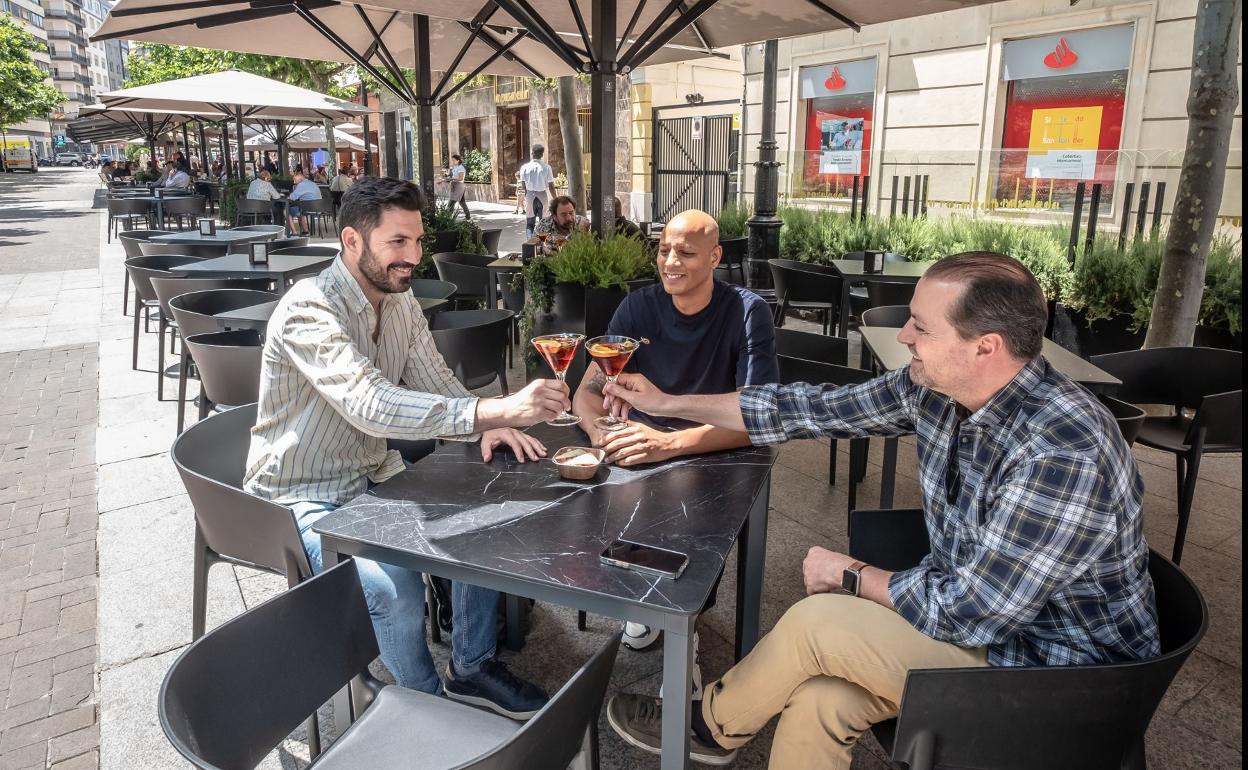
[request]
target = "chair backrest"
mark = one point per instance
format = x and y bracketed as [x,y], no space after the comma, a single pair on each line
[143,269]
[167,287]
[298,242]
[474,343]
[511,289]
[303,249]
[733,251]
[1010,716]
[862,255]
[491,239]
[263,228]
[250,206]
[201,250]
[130,240]
[552,738]
[819,373]
[314,205]
[887,316]
[1174,376]
[211,457]
[1221,417]
[805,282]
[120,207]
[885,293]
[237,692]
[466,271]
[195,311]
[190,204]
[812,347]
[229,365]
[432,289]
[1130,418]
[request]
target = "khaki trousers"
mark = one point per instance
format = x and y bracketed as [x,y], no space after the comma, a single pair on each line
[833,666]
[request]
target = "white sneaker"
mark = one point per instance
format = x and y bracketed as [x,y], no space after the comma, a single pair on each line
[639,637]
[697,673]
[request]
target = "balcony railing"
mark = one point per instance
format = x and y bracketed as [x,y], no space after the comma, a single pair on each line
[76,58]
[73,37]
[70,16]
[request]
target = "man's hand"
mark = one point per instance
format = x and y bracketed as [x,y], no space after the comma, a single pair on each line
[539,401]
[631,389]
[637,444]
[523,445]
[822,570]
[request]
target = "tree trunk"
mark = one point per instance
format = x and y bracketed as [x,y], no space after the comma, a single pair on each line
[570,129]
[332,146]
[1210,108]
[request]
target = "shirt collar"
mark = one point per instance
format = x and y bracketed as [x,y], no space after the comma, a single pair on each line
[1007,400]
[342,280]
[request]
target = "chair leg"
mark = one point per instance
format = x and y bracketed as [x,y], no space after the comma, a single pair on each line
[832,464]
[160,357]
[205,406]
[134,354]
[580,620]
[1187,490]
[182,365]
[125,294]
[199,585]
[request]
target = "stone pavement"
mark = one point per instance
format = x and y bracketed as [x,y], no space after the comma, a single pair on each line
[145,531]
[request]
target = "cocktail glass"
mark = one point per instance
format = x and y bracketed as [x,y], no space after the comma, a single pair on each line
[611,352]
[559,350]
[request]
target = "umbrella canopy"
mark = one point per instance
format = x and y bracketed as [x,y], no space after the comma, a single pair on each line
[99,123]
[307,138]
[236,94]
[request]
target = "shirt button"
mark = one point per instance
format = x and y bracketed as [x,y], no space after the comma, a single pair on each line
[966,439]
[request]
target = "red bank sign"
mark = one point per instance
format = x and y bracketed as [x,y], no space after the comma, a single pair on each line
[1104,49]
[841,78]
[1061,57]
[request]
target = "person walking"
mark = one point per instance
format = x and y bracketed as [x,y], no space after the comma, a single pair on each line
[539,188]
[457,175]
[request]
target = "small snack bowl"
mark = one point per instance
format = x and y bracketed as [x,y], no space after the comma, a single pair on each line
[578,463]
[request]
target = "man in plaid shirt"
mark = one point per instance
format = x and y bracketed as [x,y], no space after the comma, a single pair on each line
[1031,499]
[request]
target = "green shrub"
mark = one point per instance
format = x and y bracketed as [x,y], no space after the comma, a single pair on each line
[732,220]
[612,262]
[477,166]
[1222,305]
[1107,281]
[230,193]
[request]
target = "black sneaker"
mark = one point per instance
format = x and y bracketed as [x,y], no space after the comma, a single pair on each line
[497,689]
[638,719]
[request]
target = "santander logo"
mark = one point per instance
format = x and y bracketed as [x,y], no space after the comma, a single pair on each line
[836,82]
[1061,57]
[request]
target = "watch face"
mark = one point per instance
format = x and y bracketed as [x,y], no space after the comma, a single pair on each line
[849,582]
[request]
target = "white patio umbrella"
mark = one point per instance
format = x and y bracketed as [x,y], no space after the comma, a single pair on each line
[307,138]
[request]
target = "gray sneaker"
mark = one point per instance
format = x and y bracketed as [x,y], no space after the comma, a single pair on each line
[638,719]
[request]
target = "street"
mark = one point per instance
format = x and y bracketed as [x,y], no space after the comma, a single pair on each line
[47,222]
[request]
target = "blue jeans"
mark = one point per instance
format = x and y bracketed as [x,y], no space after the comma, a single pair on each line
[396,604]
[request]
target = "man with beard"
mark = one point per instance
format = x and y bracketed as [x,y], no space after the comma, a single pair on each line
[1032,501]
[348,363]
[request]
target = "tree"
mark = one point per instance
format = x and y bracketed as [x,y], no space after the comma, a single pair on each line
[570,130]
[23,92]
[1210,110]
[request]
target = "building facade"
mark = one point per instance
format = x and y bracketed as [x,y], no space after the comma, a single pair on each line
[29,13]
[1004,107]
[81,69]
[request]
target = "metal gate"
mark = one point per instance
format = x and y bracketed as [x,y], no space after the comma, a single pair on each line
[692,165]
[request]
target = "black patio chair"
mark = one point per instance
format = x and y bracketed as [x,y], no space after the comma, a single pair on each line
[511,289]
[130,240]
[304,250]
[201,250]
[474,344]
[229,367]
[169,286]
[233,696]
[431,288]
[190,208]
[858,300]
[889,293]
[254,211]
[733,255]
[317,212]
[806,286]
[1130,418]
[468,272]
[491,239]
[195,313]
[816,372]
[282,244]
[1029,718]
[141,271]
[1207,380]
[129,210]
[232,526]
[887,316]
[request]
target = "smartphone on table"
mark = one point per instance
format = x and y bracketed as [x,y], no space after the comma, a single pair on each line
[645,558]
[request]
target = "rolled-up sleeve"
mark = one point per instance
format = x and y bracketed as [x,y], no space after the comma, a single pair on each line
[882,407]
[1051,520]
[320,348]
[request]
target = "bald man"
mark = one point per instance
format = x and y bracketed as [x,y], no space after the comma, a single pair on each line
[705,336]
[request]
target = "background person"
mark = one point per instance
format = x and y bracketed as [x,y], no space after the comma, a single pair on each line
[304,190]
[457,174]
[561,225]
[539,188]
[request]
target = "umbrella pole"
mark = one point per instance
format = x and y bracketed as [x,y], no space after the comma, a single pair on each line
[279,129]
[765,224]
[602,121]
[368,155]
[203,147]
[423,133]
[225,149]
[242,156]
[186,146]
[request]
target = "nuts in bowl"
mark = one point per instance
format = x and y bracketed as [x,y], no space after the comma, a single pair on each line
[578,463]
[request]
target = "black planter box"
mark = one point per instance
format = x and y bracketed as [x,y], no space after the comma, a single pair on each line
[1072,331]
[1213,337]
[445,241]
[578,309]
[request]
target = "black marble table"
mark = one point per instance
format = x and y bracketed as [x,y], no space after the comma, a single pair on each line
[520,529]
[854,271]
[222,237]
[282,268]
[251,317]
[890,354]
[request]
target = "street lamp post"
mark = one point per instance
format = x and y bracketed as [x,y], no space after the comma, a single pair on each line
[765,224]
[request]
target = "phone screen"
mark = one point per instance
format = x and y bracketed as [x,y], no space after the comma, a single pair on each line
[647,558]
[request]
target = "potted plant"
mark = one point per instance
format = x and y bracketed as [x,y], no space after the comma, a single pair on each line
[1110,299]
[578,290]
[445,232]
[735,242]
[1221,306]
[230,193]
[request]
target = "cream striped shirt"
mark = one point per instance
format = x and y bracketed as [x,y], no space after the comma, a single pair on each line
[330,396]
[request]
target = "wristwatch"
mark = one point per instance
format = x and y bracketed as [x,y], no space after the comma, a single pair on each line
[851,578]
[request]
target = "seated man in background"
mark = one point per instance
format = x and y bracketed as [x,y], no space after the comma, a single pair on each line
[705,336]
[304,190]
[175,177]
[348,363]
[625,226]
[1032,501]
[561,225]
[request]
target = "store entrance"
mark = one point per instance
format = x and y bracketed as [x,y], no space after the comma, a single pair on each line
[513,147]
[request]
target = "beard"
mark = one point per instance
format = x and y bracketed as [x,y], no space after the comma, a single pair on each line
[386,279]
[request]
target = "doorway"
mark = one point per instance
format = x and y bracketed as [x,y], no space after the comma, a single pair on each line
[513,147]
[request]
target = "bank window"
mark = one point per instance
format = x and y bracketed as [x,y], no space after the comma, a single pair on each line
[837,106]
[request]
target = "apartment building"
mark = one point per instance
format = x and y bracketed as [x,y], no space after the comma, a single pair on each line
[29,13]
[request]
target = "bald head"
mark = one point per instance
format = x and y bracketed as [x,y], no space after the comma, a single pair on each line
[696,226]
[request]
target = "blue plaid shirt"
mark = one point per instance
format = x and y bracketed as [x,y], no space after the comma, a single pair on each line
[1041,557]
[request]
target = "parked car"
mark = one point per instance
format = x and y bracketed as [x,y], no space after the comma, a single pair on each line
[70,159]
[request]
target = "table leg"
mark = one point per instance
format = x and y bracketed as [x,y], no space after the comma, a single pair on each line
[751,555]
[888,477]
[677,689]
[491,291]
[517,620]
[842,329]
